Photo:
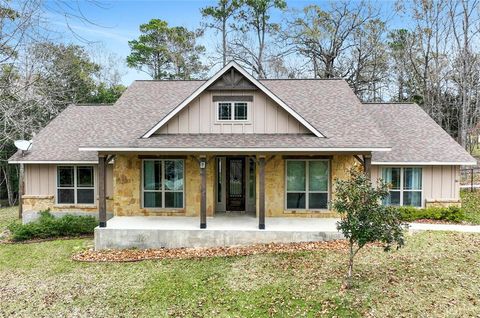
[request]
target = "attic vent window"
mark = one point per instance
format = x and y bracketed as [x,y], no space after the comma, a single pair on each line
[232,111]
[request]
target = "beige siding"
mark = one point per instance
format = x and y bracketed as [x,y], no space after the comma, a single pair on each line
[40,180]
[440,183]
[265,117]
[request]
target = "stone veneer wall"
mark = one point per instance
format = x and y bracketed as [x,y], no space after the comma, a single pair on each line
[275,186]
[127,187]
[127,178]
[442,203]
[44,202]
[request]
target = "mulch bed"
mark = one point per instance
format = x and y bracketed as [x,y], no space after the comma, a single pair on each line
[430,221]
[135,255]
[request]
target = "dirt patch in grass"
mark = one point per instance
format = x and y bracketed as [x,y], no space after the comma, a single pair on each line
[134,255]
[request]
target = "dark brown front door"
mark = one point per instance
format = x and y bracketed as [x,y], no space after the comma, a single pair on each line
[235,184]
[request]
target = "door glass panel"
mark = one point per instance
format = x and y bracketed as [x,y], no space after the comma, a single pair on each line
[295,175]
[251,179]
[219,180]
[236,176]
[318,175]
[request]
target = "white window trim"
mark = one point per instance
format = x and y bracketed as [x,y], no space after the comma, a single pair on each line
[307,185]
[402,190]
[75,186]
[232,112]
[162,190]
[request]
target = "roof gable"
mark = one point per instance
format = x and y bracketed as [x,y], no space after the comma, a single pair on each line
[227,76]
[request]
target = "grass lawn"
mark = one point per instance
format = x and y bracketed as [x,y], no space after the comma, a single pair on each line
[436,274]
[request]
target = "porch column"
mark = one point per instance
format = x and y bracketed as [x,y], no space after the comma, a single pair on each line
[261,195]
[203,198]
[367,165]
[102,199]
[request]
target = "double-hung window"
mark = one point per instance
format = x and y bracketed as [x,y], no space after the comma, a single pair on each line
[307,184]
[405,186]
[163,183]
[232,111]
[75,185]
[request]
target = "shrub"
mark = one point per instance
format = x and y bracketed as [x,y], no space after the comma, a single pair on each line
[452,214]
[47,226]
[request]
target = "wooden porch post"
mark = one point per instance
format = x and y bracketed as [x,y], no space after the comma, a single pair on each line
[261,196]
[203,198]
[367,165]
[102,199]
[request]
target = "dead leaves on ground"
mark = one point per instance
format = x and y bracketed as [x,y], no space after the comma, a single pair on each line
[134,255]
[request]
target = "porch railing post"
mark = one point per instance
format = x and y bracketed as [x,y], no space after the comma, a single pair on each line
[102,199]
[261,197]
[203,198]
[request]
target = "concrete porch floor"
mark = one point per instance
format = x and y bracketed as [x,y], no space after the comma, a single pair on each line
[222,230]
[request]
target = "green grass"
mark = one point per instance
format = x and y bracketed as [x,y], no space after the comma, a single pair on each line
[471,205]
[436,274]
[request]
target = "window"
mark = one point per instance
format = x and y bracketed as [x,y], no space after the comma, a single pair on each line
[307,184]
[163,183]
[405,186]
[75,185]
[239,111]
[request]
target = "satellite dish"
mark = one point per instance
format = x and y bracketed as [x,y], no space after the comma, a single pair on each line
[23,145]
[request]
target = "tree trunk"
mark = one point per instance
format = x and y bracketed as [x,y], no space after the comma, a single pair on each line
[348,284]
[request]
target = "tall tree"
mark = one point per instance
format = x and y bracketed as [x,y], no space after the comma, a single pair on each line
[166,52]
[219,16]
[323,36]
[254,17]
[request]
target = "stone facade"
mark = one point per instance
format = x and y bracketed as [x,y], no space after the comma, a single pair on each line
[47,202]
[127,178]
[442,203]
[275,186]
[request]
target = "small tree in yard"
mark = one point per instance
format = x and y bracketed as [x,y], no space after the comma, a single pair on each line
[363,218]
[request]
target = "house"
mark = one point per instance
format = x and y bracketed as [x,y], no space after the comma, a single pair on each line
[201,150]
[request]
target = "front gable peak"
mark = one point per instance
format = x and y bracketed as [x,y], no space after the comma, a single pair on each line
[232,77]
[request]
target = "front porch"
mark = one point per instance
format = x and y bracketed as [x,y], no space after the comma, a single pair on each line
[223,230]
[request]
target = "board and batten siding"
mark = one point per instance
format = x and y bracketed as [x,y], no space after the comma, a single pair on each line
[439,183]
[40,180]
[265,117]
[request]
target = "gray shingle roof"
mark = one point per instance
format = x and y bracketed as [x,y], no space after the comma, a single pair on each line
[328,105]
[414,135]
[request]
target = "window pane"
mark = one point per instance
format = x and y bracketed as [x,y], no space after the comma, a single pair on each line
[85,176]
[66,196]
[317,200]
[174,199]
[392,177]
[152,175]
[393,198]
[173,174]
[152,199]
[65,176]
[318,175]
[295,200]
[413,198]
[295,175]
[224,111]
[85,196]
[412,178]
[240,111]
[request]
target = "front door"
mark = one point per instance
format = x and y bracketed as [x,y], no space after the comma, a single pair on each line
[235,184]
